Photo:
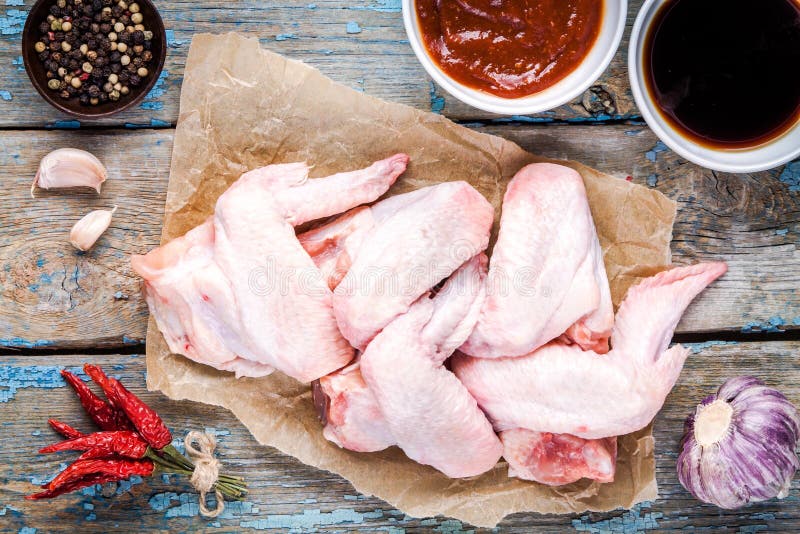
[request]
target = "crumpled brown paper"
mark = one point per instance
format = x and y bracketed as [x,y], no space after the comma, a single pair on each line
[244,107]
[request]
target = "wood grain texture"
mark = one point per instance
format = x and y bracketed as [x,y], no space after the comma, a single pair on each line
[52,296]
[289,495]
[360,43]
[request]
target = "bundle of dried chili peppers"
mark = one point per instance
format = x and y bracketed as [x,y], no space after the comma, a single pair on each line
[133,440]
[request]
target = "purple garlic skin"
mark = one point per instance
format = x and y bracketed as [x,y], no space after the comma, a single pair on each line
[739,446]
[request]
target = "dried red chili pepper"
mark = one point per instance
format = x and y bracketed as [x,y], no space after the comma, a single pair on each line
[98,409]
[117,467]
[64,429]
[121,443]
[143,417]
[121,421]
[85,482]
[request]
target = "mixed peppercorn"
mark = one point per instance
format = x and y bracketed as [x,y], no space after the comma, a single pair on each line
[133,441]
[94,50]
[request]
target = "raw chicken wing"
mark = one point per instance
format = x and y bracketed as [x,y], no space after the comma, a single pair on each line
[562,389]
[418,239]
[429,412]
[231,292]
[546,275]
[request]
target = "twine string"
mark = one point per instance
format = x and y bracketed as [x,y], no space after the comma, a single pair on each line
[206,470]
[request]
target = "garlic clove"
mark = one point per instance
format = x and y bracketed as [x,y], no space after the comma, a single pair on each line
[69,167]
[86,231]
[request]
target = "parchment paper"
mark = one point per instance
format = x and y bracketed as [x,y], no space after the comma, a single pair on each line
[243,107]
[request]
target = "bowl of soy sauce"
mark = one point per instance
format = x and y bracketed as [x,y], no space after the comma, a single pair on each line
[719,80]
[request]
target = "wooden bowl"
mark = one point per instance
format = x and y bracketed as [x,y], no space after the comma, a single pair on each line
[37,72]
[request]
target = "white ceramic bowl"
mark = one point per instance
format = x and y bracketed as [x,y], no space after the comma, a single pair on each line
[590,69]
[772,154]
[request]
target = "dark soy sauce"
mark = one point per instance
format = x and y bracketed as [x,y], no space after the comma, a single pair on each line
[726,73]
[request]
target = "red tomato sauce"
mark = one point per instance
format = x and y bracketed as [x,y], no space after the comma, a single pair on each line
[509,48]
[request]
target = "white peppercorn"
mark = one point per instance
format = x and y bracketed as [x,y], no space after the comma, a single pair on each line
[94,101]
[40,47]
[113,46]
[65,46]
[137,18]
[122,47]
[113,95]
[87,67]
[66,26]
[108,87]
[133,8]
[91,55]
[68,78]
[55,25]
[123,4]
[138,28]
[124,90]
[112,37]
[54,84]
[148,35]
[125,60]
[142,72]
[62,72]
[113,78]
[117,86]
[75,82]
[84,48]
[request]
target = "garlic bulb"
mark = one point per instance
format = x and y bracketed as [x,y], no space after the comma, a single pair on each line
[739,446]
[69,167]
[90,228]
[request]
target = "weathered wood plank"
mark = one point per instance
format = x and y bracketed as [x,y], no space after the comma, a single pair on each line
[289,495]
[360,43]
[52,296]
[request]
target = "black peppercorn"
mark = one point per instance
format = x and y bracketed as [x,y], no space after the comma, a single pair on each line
[103,97]
[44,27]
[53,46]
[97,5]
[105,27]
[71,38]
[137,62]
[124,77]
[117,11]
[116,68]
[44,55]
[64,94]
[148,45]
[84,99]
[75,53]
[125,19]
[124,37]
[55,11]
[93,91]
[114,56]
[59,36]
[97,18]
[74,64]
[53,66]
[138,37]
[63,62]
[135,80]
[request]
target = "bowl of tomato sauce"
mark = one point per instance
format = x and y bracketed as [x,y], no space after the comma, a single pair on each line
[515,57]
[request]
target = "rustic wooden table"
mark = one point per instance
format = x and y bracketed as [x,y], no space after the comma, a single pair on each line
[59,308]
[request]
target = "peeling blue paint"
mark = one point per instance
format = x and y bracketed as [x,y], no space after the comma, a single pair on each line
[172,42]
[353,27]
[652,154]
[796,321]
[130,341]
[285,36]
[17,3]
[652,180]
[8,508]
[633,133]
[19,63]
[13,378]
[772,325]
[26,530]
[634,520]
[65,125]
[13,22]
[155,93]
[20,343]
[381,6]
[437,101]
[156,123]
[40,261]
[5,95]
[782,231]
[310,519]
[697,348]
[311,6]
[791,176]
